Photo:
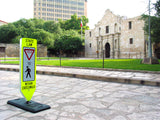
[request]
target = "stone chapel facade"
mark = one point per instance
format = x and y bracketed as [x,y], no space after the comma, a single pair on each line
[116,37]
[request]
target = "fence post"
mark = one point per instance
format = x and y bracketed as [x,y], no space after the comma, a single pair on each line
[103,58]
[60,57]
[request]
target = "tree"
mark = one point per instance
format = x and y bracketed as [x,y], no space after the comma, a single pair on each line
[48,33]
[74,23]
[157,8]
[8,32]
[52,27]
[38,23]
[69,42]
[25,27]
[44,37]
[155,24]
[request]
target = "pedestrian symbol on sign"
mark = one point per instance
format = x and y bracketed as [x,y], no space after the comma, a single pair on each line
[28,72]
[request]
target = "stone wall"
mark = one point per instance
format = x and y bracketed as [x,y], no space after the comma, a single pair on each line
[136,33]
[12,50]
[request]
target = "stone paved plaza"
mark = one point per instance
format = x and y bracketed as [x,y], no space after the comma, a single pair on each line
[80,99]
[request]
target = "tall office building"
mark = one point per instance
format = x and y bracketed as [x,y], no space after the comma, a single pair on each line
[59,9]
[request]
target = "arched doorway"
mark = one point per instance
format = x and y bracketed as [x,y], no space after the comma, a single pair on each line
[107,50]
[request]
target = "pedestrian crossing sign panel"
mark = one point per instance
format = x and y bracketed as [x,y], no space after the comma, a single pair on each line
[28,63]
[28,53]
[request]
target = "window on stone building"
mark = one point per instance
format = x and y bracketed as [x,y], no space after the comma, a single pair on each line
[115,28]
[115,44]
[130,25]
[107,29]
[131,40]
[2,49]
[90,34]
[99,31]
[90,45]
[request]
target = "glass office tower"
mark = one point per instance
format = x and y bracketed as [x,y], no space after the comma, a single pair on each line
[59,9]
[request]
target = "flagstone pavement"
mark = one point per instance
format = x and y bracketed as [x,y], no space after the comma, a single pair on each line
[80,99]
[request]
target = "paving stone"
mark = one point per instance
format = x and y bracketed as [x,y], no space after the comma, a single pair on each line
[145,116]
[119,118]
[91,117]
[7,114]
[76,108]
[93,104]
[122,107]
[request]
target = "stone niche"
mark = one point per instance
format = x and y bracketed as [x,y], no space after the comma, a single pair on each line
[12,50]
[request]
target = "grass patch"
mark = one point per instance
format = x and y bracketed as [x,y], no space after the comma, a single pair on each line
[9,58]
[38,58]
[130,64]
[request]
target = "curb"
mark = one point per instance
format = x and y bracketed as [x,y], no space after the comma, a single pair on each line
[92,77]
[106,69]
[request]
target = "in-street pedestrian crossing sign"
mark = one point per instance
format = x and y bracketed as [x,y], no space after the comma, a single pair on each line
[28,53]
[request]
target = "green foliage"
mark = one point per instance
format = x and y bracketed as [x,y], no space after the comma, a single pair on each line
[157,8]
[154,22]
[52,27]
[69,42]
[38,23]
[74,23]
[7,33]
[155,25]
[43,31]
[57,36]
[44,37]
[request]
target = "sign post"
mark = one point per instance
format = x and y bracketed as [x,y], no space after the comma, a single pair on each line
[28,57]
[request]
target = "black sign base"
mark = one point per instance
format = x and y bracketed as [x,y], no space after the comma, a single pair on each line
[30,106]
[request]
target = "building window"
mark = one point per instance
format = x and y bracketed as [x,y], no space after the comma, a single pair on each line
[90,34]
[2,49]
[90,45]
[131,40]
[99,31]
[130,25]
[107,29]
[115,44]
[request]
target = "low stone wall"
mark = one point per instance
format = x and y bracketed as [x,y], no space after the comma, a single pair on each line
[12,50]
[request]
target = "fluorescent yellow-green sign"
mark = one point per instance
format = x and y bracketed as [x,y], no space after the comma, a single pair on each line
[28,54]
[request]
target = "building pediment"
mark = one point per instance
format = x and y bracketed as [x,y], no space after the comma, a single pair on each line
[108,18]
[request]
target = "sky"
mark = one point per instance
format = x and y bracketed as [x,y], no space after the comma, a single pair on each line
[13,10]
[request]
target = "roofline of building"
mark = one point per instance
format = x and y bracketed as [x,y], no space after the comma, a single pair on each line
[3,21]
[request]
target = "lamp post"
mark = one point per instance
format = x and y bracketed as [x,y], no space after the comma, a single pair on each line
[149,30]
[150,59]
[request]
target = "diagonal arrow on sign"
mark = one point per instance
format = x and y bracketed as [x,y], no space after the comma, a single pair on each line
[29,53]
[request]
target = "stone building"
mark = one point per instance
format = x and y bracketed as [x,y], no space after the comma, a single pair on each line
[12,50]
[116,37]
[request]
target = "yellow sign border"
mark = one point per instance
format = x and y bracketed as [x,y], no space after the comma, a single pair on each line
[27,88]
